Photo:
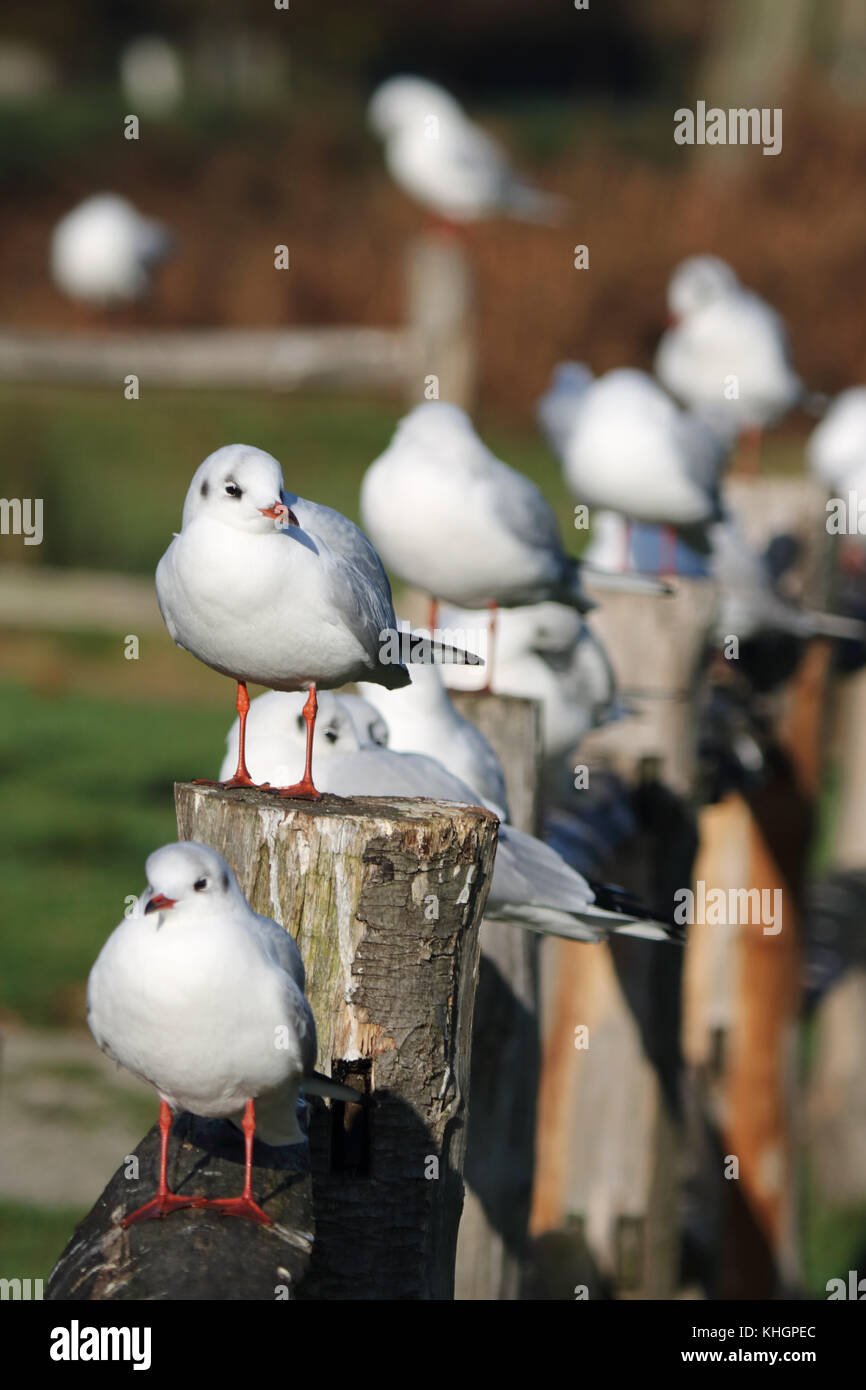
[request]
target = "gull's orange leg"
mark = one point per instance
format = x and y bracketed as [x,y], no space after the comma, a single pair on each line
[241,777]
[305,788]
[164,1201]
[245,1205]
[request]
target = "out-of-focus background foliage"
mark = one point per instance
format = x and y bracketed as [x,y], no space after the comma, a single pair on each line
[268,144]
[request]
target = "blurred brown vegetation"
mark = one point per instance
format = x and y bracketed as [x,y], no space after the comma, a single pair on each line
[592,119]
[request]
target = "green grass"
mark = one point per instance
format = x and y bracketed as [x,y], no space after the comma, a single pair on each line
[87,795]
[31,1238]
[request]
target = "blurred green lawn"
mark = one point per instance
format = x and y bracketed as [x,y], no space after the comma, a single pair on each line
[113,473]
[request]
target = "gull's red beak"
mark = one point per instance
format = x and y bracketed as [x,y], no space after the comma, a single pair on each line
[159,903]
[280,511]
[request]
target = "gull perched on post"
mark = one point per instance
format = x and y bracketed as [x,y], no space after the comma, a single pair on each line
[626,447]
[445,162]
[725,355]
[293,600]
[204,999]
[453,520]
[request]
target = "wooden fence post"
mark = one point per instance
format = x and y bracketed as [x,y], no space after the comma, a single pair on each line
[606,1190]
[500,1154]
[440,297]
[742,985]
[384,897]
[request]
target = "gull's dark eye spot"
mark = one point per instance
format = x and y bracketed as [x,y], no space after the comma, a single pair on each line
[331,735]
[204,488]
[233,490]
[199,884]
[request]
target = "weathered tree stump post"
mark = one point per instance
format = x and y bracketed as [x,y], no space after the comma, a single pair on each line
[384,897]
[440,319]
[606,1190]
[500,1156]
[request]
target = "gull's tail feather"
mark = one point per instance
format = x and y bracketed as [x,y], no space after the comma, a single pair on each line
[316,1084]
[626,582]
[427,651]
[643,922]
[835,625]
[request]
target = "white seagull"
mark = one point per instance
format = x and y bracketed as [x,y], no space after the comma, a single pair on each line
[453,520]
[422,718]
[725,355]
[293,601]
[626,447]
[546,652]
[204,999]
[445,162]
[532,886]
[837,446]
[106,252]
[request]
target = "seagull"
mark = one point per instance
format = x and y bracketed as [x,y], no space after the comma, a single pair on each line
[445,162]
[259,596]
[105,251]
[626,447]
[837,446]
[204,999]
[546,652]
[453,520]
[725,355]
[532,886]
[422,718]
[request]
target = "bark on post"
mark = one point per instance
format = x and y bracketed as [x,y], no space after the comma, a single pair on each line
[606,1191]
[500,1158]
[384,897]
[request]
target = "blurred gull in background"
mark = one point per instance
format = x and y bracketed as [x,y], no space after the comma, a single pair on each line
[625,446]
[105,252]
[836,450]
[422,718]
[450,518]
[545,651]
[725,355]
[447,163]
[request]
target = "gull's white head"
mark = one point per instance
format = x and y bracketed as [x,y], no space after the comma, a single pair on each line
[371,730]
[434,424]
[239,486]
[697,282]
[276,723]
[404,101]
[187,876]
